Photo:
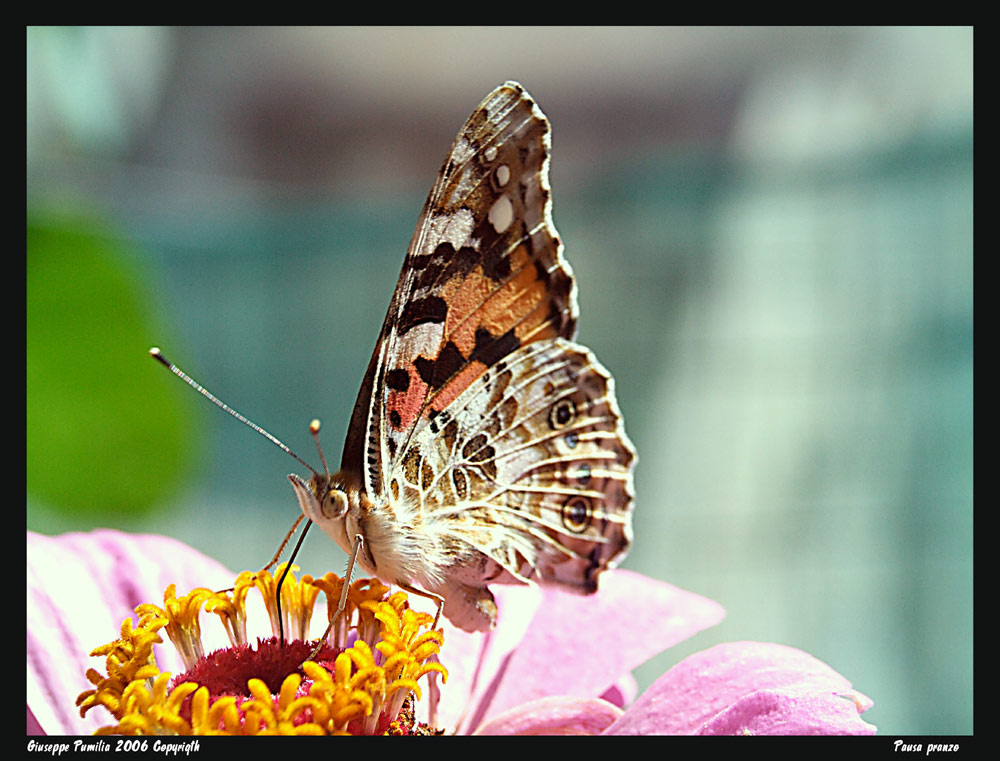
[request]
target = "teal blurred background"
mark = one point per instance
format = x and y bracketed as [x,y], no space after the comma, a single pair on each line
[772,235]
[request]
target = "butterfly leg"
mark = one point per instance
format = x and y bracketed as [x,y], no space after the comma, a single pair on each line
[284,543]
[429,595]
[359,540]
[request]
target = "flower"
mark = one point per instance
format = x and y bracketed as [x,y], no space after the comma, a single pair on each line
[556,664]
[737,688]
[276,687]
[733,688]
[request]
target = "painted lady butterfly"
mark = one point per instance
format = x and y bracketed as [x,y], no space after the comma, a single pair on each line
[485,446]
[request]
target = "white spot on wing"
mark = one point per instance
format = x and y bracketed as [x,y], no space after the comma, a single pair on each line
[455,228]
[426,334]
[462,151]
[501,214]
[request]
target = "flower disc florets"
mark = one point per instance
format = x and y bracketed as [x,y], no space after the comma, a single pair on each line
[273,687]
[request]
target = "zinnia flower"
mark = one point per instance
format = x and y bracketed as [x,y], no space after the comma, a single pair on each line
[556,663]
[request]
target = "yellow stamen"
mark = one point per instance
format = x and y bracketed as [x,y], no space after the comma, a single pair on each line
[280,718]
[360,691]
[360,592]
[231,612]
[129,660]
[182,625]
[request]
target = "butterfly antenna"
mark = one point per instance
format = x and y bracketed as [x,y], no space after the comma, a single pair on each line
[156,354]
[314,430]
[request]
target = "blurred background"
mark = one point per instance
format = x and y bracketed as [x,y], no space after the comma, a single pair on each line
[772,235]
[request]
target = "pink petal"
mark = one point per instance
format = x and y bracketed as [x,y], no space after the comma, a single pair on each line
[737,686]
[623,692]
[789,712]
[34,728]
[474,659]
[554,716]
[79,589]
[581,645]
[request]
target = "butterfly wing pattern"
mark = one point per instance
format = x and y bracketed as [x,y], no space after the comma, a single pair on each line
[485,446]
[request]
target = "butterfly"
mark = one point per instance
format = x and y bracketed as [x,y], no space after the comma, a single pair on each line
[485,445]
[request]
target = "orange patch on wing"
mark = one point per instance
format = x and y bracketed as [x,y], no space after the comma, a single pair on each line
[537,325]
[475,301]
[457,385]
[512,302]
[407,403]
[463,302]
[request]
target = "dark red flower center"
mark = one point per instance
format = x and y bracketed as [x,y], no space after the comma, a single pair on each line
[227,671]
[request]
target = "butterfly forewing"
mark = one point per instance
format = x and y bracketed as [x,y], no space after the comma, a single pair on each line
[484,275]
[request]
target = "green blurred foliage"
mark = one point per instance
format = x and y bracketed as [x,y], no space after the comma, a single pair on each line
[109,433]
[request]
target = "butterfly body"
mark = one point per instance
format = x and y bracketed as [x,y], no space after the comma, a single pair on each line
[485,445]
[397,546]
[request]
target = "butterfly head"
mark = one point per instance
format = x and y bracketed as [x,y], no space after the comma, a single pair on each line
[326,500]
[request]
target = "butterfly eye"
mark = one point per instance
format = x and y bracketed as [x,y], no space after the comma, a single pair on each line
[334,503]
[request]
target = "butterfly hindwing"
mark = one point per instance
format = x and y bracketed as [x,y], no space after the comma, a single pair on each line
[529,467]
